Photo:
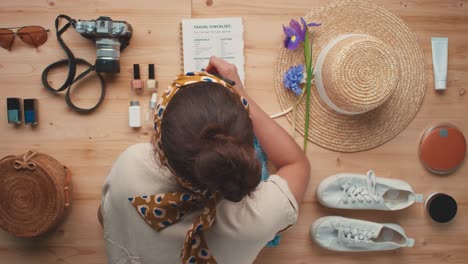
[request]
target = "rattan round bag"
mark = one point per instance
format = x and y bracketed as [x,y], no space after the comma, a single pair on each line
[34,194]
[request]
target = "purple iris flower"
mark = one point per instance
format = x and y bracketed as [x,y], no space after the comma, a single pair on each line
[292,39]
[293,78]
[295,33]
[305,25]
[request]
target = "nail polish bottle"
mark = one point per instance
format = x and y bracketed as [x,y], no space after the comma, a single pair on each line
[30,112]
[151,83]
[14,110]
[137,83]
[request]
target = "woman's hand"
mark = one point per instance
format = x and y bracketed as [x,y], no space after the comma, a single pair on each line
[225,69]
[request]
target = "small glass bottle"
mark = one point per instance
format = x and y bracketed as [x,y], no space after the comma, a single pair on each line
[134,116]
[151,107]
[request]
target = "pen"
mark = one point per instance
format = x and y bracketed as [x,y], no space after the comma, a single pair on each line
[228,81]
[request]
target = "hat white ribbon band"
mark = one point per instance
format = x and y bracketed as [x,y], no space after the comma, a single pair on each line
[318,73]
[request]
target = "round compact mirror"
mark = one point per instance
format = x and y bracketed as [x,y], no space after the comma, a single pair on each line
[442,148]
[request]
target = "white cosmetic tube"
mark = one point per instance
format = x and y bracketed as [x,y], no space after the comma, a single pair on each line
[439,61]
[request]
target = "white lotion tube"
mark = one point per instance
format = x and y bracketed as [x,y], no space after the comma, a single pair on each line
[439,61]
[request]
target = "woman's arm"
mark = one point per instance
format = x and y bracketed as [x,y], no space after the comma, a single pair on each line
[282,150]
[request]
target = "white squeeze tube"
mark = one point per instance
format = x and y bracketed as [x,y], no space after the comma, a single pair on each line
[439,61]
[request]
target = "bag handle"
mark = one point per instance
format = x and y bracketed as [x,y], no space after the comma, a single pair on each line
[66,188]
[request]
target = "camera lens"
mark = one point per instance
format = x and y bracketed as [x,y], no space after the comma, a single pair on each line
[110,66]
[108,55]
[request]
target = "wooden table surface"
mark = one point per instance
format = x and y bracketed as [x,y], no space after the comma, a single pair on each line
[88,144]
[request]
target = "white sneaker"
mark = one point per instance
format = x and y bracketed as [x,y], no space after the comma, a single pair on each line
[345,234]
[357,191]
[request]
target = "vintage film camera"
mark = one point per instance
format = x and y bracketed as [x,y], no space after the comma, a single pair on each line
[111,37]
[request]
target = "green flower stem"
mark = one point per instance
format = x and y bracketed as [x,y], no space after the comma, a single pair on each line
[298,101]
[309,72]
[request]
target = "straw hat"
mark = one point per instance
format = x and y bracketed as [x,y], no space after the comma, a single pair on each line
[369,76]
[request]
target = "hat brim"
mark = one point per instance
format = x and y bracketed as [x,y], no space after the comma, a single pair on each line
[344,133]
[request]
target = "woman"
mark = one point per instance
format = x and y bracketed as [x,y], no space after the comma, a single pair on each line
[195,194]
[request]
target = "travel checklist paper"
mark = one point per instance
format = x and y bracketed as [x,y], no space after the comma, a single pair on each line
[220,37]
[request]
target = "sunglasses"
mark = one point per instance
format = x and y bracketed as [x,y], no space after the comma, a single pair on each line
[32,35]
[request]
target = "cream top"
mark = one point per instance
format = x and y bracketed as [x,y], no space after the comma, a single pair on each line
[240,231]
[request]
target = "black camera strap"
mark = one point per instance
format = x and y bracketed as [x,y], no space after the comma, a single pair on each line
[72,62]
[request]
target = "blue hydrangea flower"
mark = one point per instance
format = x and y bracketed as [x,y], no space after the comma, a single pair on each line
[293,78]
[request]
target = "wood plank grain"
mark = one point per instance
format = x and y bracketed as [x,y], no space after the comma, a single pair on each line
[88,144]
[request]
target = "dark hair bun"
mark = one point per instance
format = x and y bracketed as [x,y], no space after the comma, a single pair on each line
[225,164]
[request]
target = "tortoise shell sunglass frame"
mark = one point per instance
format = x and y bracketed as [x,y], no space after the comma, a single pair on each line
[32,35]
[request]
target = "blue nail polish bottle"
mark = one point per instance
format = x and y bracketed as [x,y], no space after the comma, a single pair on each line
[30,112]
[14,111]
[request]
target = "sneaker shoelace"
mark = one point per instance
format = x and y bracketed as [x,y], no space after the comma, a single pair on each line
[355,193]
[354,235]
